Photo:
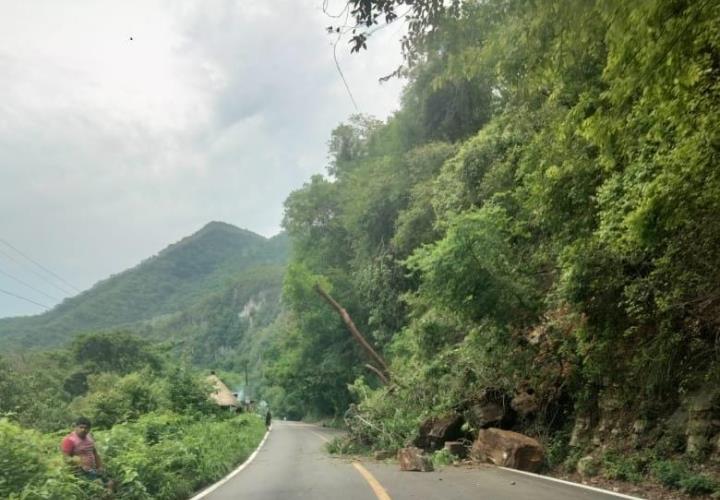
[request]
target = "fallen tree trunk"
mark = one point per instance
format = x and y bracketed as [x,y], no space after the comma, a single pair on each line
[377,372]
[383,372]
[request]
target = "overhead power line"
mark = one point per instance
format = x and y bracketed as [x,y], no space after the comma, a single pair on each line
[23,298]
[41,266]
[41,276]
[28,285]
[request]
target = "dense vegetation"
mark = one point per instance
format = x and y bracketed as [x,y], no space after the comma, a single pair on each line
[219,260]
[157,432]
[205,301]
[540,216]
[539,219]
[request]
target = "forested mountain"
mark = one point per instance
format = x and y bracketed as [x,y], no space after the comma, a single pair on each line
[218,265]
[537,224]
[132,354]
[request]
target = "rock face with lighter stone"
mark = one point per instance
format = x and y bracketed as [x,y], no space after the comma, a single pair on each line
[490,409]
[412,459]
[508,449]
[434,431]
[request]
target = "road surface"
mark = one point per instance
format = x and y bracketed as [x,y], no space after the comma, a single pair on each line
[293,464]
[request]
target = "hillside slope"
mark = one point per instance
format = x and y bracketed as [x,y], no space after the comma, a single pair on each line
[184,274]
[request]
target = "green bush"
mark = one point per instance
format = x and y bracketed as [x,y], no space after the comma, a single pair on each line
[172,455]
[19,462]
[697,484]
[160,456]
[675,474]
[626,468]
[558,448]
[112,399]
[345,445]
[443,457]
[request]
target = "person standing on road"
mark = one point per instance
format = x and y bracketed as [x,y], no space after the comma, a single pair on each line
[268,419]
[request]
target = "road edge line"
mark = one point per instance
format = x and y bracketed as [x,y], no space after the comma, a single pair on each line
[377,488]
[232,474]
[570,483]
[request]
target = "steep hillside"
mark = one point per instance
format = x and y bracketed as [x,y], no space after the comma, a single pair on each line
[185,274]
[217,331]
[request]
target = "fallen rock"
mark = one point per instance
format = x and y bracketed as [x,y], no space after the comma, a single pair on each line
[422,440]
[703,406]
[508,449]
[456,448]
[434,431]
[445,428]
[525,403]
[413,459]
[588,466]
[581,430]
[490,409]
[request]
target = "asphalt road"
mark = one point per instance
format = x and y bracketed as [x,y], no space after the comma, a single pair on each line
[293,464]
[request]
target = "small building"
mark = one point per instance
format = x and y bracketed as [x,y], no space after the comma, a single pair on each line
[222,395]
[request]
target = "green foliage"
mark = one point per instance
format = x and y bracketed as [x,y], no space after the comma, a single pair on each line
[178,279]
[558,449]
[541,212]
[472,270]
[343,445]
[443,457]
[162,455]
[41,376]
[627,468]
[113,399]
[117,352]
[19,463]
[188,393]
[676,475]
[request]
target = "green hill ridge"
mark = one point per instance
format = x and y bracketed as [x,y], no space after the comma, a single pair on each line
[217,260]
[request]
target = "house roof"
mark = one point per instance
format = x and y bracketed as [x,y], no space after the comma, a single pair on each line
[222,395]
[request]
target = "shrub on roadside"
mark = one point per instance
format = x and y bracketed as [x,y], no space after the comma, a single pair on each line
[443,457]
[675,474]
[626,468]
[160,456]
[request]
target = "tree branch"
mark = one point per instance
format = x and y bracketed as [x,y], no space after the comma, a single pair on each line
[357,335]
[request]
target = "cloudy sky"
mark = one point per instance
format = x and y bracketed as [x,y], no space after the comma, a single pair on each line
[112,148]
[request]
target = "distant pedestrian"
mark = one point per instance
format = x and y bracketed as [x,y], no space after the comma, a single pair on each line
[268,419]
[79,448]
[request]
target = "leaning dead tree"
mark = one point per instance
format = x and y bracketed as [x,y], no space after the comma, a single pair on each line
[383,372]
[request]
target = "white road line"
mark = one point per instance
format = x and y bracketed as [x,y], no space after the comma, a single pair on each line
[224,480]
[577,485]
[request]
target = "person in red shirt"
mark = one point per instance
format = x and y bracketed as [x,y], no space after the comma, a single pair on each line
[79,448]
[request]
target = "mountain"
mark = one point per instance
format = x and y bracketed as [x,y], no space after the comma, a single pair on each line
[217,260]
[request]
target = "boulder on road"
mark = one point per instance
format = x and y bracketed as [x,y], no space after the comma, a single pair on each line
[508,449]
[413,459]
[434,431]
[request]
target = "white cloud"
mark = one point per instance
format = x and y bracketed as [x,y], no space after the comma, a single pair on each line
[112,148]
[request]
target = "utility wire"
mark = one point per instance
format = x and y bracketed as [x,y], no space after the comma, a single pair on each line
[326,10]
[28,285]
[342,76]
[23,298]
[341,30]
[42,267]
[42,277]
